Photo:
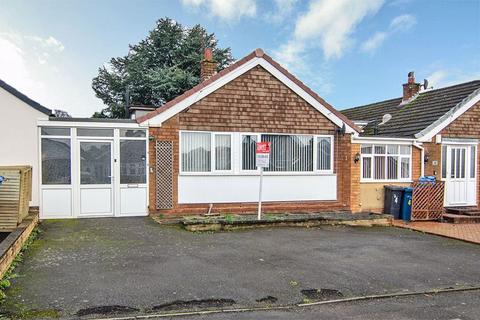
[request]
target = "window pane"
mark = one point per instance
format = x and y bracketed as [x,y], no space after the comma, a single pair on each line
[379,168]
[367,168]
[444,162]
[248,152]
[392,149]
[405,149]
[458,164]
[463,163]
[366,149]
[133,161]
[223,152]
[473,163]
[196,152]
[324,153]
[452,163]
[380,149]
[405,168]
[91,132]
[392,168]
[132,133]
[95,162]
[290,153]
[56,161]
[48,131]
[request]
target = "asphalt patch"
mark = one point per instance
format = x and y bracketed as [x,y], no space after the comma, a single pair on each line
[105,310]
[267,299]
[321,294]
[194,304]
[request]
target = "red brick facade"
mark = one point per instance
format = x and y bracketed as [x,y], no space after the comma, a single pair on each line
[258,102]
[465,126]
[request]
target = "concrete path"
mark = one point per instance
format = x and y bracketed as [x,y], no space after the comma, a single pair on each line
[115,267]
[463,231]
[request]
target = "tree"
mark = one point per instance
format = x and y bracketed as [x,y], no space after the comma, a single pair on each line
[157,69]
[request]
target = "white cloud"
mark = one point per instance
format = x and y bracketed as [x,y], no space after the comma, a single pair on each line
[229,10]
[332,23]
[48,43]
[374,42]
[447,77]
[283,9]
[401,23]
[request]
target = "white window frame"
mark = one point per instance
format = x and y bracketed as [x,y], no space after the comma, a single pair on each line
[236,144]
[242,134]
[332,152]
[212,171]
[386,155]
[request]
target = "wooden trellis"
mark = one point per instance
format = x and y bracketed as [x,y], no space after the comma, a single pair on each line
[427,200]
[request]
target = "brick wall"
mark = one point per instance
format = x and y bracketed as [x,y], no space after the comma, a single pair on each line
[257,102]
[465,126]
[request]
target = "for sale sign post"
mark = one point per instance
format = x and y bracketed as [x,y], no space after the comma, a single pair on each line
[262,160]
[262,154]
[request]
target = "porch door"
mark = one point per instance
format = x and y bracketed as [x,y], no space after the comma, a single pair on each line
[96,178]
[460,180]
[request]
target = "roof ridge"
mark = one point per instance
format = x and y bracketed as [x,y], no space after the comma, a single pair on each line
[370,104]
[451,86]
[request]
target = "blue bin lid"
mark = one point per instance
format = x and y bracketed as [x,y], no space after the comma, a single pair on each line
[408,189]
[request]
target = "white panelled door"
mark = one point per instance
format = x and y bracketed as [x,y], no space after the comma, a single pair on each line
[460,179]
[96,178]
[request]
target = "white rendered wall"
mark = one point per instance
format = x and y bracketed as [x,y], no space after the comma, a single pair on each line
[19,136]
[244,188]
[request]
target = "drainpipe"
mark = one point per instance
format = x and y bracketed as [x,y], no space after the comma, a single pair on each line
[422,156]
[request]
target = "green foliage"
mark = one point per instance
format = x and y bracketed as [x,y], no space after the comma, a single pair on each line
[229,218]
[157,69]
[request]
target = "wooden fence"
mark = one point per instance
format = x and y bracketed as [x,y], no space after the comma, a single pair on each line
[427,200]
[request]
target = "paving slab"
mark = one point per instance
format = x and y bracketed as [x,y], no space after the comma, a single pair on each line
[463,231]
[81,268]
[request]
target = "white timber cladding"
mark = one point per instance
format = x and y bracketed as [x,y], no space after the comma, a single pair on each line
[201,180]
[76,184]
[182,105]
[233,153]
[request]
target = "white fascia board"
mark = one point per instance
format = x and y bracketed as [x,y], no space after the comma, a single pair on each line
[429,132]
[71,124]
[384,140]
[182,105]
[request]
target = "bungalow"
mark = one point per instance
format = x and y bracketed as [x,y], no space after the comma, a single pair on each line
[429,132]
[203,144]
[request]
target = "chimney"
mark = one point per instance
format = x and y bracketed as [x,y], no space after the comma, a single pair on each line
[208,66]
[411,88]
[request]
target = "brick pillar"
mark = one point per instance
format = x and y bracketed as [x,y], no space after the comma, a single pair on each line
[354,178]
[208,65]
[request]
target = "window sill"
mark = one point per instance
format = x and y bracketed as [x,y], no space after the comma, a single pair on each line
[257,173]
[386,181]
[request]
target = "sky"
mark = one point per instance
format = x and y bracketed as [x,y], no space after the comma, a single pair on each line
[350,52]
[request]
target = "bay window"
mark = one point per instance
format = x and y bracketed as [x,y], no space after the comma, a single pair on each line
[385,162]
[204,152]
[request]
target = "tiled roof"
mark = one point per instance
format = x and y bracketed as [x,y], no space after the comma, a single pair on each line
[413,117]
[24,98]
[260,54]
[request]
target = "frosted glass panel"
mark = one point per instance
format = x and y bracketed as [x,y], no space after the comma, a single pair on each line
[132,161]
[95,162]
[56,161]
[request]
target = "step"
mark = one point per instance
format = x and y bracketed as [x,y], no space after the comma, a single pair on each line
[468,211]
[460,218]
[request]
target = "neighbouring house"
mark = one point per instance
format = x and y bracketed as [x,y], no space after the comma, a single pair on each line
[424,132]
[19,133]
[203,144]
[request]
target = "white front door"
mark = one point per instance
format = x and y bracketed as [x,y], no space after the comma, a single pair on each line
[96,178]
[460,175]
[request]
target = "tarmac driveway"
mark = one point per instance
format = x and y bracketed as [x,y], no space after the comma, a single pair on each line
[105,267]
